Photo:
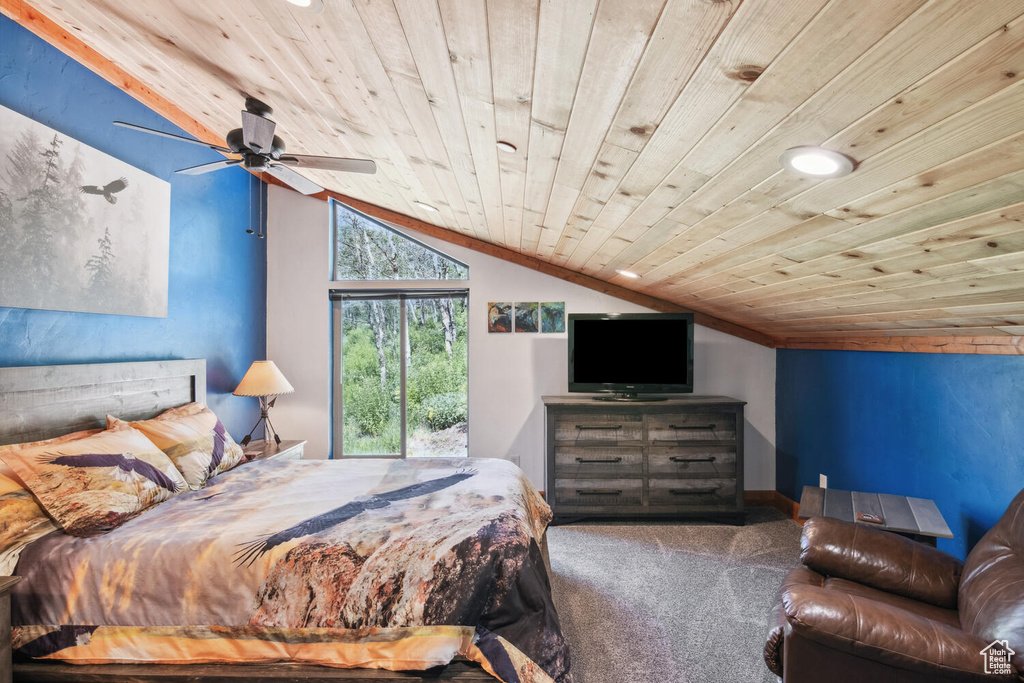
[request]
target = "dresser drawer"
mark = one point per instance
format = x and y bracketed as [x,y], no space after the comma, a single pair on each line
[591,492]
[667,429]
[598,428]
[692,492]
[692,461]
[576,462]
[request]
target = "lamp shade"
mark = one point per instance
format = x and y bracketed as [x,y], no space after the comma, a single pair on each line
[263,379]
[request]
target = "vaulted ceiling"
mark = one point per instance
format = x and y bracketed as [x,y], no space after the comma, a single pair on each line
[647,134]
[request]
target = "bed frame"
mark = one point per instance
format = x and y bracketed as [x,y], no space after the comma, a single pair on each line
[43,402]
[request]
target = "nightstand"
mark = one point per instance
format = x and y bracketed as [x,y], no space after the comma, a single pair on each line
[260,450]
[6,584]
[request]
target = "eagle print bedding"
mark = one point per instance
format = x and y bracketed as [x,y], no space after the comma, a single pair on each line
[393,564]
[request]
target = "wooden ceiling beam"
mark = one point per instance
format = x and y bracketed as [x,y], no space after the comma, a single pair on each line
[1003,346]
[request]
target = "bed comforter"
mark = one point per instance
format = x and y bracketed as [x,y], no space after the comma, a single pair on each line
[394,564]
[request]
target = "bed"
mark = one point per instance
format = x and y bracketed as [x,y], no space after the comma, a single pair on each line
[408,570]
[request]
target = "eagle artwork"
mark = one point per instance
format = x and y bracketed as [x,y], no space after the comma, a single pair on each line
[107,191]
[124,463]
[106,250]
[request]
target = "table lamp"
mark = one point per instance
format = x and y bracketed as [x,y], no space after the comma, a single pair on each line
[264,381]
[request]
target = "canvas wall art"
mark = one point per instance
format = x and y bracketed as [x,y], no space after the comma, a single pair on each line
[79,229]
[552,316]
[499,316]
[526,316]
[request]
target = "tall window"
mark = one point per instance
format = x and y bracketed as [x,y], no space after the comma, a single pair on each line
[400,343]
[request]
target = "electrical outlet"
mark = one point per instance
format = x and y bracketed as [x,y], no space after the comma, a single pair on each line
[823,481]
[514,459]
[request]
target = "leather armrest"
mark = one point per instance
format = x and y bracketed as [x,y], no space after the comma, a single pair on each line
[882,560]
[777,623]
[884,633]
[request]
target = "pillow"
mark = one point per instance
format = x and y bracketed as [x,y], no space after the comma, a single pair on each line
[96,483]
[194,439]
[21,519]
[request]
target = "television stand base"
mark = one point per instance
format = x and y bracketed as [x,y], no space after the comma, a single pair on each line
[630,398]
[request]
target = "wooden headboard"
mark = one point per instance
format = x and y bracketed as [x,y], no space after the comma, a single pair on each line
[51,400]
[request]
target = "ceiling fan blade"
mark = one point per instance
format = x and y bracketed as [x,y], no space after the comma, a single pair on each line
[293,179]
[257,132]
[212,166]
[172,136]
[330,163]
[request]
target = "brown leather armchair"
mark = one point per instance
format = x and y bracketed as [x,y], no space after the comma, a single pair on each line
[872,606]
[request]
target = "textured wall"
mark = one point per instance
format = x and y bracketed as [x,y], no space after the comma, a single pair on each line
[217,297]
[946,427]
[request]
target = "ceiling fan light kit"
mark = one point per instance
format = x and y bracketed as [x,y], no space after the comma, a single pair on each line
[810,161]
[263,152]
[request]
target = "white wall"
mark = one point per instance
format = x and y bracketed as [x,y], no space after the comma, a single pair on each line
[508,373]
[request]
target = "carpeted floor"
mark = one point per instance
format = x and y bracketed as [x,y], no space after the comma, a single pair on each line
[663,602]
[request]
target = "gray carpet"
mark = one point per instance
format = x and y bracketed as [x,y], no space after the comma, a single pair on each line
[662,602]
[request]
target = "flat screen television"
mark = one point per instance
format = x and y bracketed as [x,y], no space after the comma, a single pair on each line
[630,354]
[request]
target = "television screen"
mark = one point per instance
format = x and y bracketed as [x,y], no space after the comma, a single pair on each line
[631,353]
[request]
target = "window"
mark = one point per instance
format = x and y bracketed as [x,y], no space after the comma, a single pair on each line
[366,249]
[400,344]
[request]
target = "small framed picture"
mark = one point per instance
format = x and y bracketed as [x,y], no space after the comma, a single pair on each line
[526,316]
[552,316]
[499,316]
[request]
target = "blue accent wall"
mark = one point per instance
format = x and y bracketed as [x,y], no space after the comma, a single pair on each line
[217,278]
[948,427]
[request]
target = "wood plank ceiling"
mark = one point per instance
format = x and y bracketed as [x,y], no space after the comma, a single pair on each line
[647,136]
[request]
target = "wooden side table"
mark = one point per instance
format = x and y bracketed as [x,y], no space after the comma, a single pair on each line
[917,518]
[288,450]
[6,584]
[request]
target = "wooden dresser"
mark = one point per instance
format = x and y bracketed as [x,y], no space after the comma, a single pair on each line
[682,457]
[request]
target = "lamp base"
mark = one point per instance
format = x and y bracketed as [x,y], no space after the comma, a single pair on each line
[268,428]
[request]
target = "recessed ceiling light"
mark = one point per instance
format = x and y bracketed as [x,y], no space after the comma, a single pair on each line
[315,6]
[506,146]
[626,273]
[816,162]
[425,206]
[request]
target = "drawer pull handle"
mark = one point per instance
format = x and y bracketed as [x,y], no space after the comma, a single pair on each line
[692,492]
[676,458]
[598,460]
[694,428]
[599,492]
[599,427]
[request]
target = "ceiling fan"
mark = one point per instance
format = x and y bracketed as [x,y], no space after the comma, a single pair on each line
[262,151]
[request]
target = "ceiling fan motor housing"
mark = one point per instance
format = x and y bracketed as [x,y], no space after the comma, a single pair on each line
[236,143]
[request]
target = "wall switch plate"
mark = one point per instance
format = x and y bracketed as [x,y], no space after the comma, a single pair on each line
[514,459]
[823,481]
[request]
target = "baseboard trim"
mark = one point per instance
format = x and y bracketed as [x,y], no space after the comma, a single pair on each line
[772,499]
